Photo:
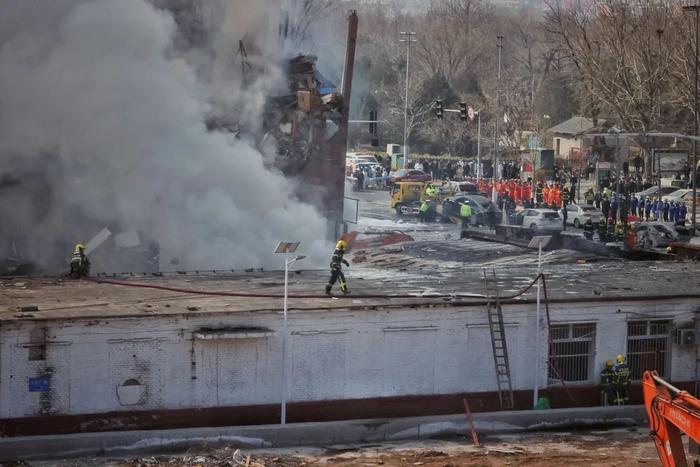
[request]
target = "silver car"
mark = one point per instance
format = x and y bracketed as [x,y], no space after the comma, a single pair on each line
[655,234]
[577,215]
[540,220]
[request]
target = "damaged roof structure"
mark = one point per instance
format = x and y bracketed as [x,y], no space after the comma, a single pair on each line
[204,349]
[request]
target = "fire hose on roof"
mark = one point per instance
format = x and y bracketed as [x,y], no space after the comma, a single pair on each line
[308,296]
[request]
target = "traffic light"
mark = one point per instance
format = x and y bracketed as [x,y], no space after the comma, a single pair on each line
[438,109]
[463,111]
[373,116]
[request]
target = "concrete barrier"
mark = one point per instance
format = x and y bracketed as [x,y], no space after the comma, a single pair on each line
[123,443]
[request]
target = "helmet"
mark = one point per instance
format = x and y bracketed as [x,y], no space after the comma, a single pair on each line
[79,248]
[620,358]
[609,364]
[341,245]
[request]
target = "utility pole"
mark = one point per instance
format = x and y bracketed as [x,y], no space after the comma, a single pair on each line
[693,168]
[408,39]
[498,113]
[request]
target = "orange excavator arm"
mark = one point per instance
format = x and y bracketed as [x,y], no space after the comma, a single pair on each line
[671,412]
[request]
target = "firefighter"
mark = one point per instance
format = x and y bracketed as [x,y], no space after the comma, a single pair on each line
[622,381]
[337,269]
[588,229]
[603,229]
[79,263]
[607,384]
[619,231]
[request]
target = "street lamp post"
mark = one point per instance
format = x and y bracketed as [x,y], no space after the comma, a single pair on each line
[409,38]
[286,248]
[471,113]
[696,9]
[540,242]
[498,111]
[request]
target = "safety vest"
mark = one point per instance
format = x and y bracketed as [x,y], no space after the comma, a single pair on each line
[622,374]
[424,207]
[465,210]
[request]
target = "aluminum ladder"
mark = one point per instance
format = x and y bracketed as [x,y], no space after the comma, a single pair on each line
[498,342]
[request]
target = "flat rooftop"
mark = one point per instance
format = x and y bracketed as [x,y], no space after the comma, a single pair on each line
[431,273]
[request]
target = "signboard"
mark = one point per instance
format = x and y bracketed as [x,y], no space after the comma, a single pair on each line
[40,384]
[350,209]
[672,161]
[544,164]
[471,113]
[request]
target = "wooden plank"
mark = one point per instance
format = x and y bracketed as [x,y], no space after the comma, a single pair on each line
[475,438]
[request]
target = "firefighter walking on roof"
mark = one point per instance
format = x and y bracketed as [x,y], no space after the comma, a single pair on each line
[337,268]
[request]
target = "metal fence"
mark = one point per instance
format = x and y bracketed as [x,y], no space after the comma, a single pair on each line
[648,346]
[572,351]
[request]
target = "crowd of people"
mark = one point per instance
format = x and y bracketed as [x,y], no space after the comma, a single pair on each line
[614,205]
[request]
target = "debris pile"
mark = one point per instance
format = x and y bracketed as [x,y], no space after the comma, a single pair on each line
[226,457]
[296,124]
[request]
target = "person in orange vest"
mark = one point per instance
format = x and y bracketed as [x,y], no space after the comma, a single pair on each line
[527,191]
[556,196]
[500,188]
[518,192]
[546,196]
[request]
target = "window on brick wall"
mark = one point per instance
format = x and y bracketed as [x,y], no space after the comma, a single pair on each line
[571,351]
[648,346]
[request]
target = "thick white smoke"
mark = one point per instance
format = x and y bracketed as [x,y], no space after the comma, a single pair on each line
[102,119]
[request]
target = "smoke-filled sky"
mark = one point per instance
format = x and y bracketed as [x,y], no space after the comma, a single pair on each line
[102,116]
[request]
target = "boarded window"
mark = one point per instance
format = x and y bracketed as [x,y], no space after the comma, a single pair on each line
[648,347]
[37,344]
[571,351]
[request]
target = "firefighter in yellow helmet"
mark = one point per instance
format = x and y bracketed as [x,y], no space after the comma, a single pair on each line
[607,383]
[622,380]
[337,268]
[79,262]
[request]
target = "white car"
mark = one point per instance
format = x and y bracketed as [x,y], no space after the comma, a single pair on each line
[577,215]
[540,220]
[682,196]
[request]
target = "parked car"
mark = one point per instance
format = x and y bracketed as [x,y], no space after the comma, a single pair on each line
[480,207]
[409,175]
[654,190]
[655,234]
[682,196]
[352,159]
[540,220]
[577,215]
[458,188]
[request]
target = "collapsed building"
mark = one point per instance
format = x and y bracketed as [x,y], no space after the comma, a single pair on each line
[300,129]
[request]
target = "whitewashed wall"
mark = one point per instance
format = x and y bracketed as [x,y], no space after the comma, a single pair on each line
[333,355]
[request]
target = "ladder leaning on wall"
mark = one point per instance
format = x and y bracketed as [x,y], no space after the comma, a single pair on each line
[498,341]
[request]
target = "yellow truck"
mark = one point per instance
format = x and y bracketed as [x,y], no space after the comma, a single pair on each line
[406,197]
